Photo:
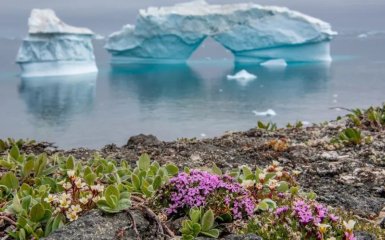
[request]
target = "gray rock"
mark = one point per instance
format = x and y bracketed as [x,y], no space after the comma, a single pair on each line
[144,140]
[364,236]
[101,226]
[243,237]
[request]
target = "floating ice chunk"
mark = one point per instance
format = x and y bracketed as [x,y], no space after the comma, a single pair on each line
[371,34]
[54,48]
[243,77]
[175,32]
[275,63]
[268,113]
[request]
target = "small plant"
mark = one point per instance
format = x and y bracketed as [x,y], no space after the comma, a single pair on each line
[198,188]
[301,219]
[8,143]
[199,223]
[267,126]
[147,177]
[351,136]
[115,199]
[298,124]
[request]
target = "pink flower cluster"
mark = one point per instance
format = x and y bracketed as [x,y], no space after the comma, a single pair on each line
[197,188]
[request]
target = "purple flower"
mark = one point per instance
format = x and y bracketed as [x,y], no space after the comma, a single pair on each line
[198,187]
[333,217]
[303,212]
[349,236]
[321,211]
[281,210]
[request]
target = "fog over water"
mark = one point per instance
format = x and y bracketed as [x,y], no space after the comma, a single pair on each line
[187,100]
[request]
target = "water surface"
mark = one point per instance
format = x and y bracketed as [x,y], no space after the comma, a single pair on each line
[186,100]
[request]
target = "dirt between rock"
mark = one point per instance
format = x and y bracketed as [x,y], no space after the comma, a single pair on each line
[351,177]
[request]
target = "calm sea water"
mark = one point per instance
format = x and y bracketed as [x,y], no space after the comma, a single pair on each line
[190,100]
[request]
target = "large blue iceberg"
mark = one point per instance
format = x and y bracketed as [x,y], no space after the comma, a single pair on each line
[253,33]
[54,48]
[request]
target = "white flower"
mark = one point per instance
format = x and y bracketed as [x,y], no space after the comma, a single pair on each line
[279,174]
[79,184]
[96,199]
[57,210]
[248,183]
[67,185]
[65,196]
[50,198]
[323,228]
[83,200]
[72,215]
[76,208]
[349,226]
[262,176]
[64,203]
[97,187]
[71,173]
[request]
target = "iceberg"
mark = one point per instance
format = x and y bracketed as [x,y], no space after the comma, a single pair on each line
[53,48]
[243,77]
[268,113]
[253,33]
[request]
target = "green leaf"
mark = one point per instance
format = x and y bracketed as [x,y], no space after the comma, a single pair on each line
[90,178]
[263,206]
[157,183]
[28,167]
[226,218]
[10,180]
[6,164]
[37,212]
[172,169]
[135,181]
[14,153]
[16,204]
[294,190]
[187,237]
[216,170]
[195,214]
[25,202]
[42,163]
[3,146]
[312,195]
[57,222]
[144,162]
[246,171]
[270,203]
[22,235]
[70,164]
[112,195]
[196,228]
[207,221]
[213,233]
[283,187]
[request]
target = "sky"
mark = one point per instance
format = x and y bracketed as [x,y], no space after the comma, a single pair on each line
[103,17]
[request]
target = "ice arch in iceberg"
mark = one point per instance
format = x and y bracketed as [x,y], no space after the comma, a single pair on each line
[253,33]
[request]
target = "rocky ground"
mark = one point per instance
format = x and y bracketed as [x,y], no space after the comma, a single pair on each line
[350,177]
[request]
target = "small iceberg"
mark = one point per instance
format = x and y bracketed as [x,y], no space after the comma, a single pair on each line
[268,113]
[243,77]
[275,63]
[53,48]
